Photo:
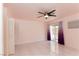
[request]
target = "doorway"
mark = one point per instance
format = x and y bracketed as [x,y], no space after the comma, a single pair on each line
[56,33]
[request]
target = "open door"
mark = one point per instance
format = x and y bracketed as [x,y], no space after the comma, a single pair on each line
[56,33]
[60,34]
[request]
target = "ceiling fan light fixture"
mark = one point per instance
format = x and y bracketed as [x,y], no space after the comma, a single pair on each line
[46,16]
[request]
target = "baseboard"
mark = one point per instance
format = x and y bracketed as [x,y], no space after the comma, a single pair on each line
[9,53]
[29,42]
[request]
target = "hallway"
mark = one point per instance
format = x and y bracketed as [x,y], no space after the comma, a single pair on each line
[44,48]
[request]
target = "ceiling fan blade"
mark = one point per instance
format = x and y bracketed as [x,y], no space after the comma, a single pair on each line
[41,12]
[53,15]
[39,16]
[51,11]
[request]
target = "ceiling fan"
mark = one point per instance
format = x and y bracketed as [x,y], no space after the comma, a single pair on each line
[46,14]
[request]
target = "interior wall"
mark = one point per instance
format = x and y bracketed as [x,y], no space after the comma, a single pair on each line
[71,36]
[28,31]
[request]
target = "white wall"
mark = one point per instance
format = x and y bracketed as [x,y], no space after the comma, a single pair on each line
[71,35]
[27,31]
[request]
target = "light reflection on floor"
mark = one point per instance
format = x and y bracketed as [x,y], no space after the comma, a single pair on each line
[44,48]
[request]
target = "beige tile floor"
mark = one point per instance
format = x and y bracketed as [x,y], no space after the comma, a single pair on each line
[44,48]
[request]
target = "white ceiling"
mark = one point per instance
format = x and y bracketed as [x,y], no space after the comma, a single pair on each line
[28,11]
